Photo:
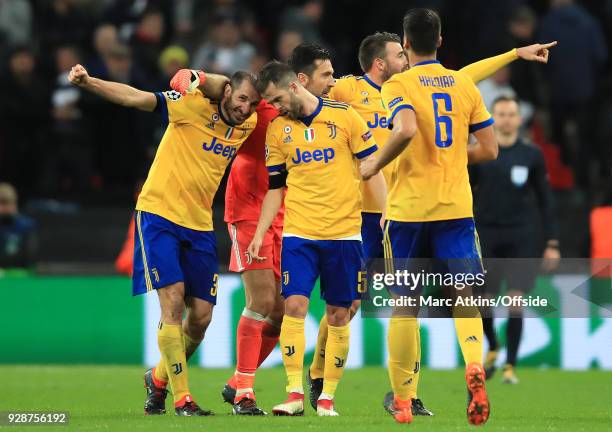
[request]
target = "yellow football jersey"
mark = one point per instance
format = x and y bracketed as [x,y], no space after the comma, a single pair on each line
[431,177]
[191,158]
[364,96]
[323,201]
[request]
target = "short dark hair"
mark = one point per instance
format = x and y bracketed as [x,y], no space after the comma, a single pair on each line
[276,73]
[22,49]
[303,57]
[505,98]
[422,28]
[373,47]
[238,78]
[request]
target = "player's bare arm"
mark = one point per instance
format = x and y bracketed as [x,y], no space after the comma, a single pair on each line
[376,185]
[211,85]
[404,129]
[214,86]
[483,69]
[120,94]
[269,209]
[485,148]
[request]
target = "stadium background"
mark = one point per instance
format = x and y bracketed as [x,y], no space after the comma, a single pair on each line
[76,162]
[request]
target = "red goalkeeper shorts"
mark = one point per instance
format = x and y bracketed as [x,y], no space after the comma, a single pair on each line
[241,233]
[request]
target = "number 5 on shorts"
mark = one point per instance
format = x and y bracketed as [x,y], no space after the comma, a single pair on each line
[362,282]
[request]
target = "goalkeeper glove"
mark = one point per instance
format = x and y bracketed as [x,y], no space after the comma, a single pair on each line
[187,80]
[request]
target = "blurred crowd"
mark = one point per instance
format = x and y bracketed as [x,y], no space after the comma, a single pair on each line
[56,141]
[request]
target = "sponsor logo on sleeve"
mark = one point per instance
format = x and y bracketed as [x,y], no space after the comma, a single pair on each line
[173,95]
[395,101]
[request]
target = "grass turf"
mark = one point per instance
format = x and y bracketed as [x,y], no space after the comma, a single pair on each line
[111,398]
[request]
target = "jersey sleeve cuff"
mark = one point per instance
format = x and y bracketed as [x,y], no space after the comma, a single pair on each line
[162,106]
[366,152]
[276,168]
[398,109]
[477,126]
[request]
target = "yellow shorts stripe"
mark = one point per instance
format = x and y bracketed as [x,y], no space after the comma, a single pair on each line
[388,251]
[144,255]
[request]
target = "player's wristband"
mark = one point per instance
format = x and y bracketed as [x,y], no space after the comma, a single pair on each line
[198,75]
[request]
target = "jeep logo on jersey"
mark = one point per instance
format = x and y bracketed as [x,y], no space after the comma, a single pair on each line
[378,122]
[317,155]
[218,148]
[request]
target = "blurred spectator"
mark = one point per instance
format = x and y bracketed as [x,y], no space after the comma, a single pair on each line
[225,52]
[104,38]
[119,63]
[120,135]
[127,15]
[147,43]
[526,77]
[60,22]
[69,155]
[258,62]
[26,110]
[171,60]
[287,41]
[183,18]
[499,85]
[304,20]
[17,232]
[15,22]
[573,74]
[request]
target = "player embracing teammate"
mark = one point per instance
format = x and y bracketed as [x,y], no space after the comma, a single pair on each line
[313,143]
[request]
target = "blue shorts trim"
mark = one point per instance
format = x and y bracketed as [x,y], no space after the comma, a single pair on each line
[338,263]
[166,253]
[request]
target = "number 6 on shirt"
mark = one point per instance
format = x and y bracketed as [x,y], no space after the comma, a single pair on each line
[446,120]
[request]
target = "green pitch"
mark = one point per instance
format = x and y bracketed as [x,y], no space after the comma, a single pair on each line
[111,399]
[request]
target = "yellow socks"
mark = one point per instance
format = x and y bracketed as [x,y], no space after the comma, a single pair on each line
[402,346]
[318,360]
[171,346]
[191,345]
[336,353]
[417,368]
[292,343]
[161,370]
[469,334]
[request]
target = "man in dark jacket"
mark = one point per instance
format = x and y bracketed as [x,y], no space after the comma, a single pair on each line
[17,236]
[504,192]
